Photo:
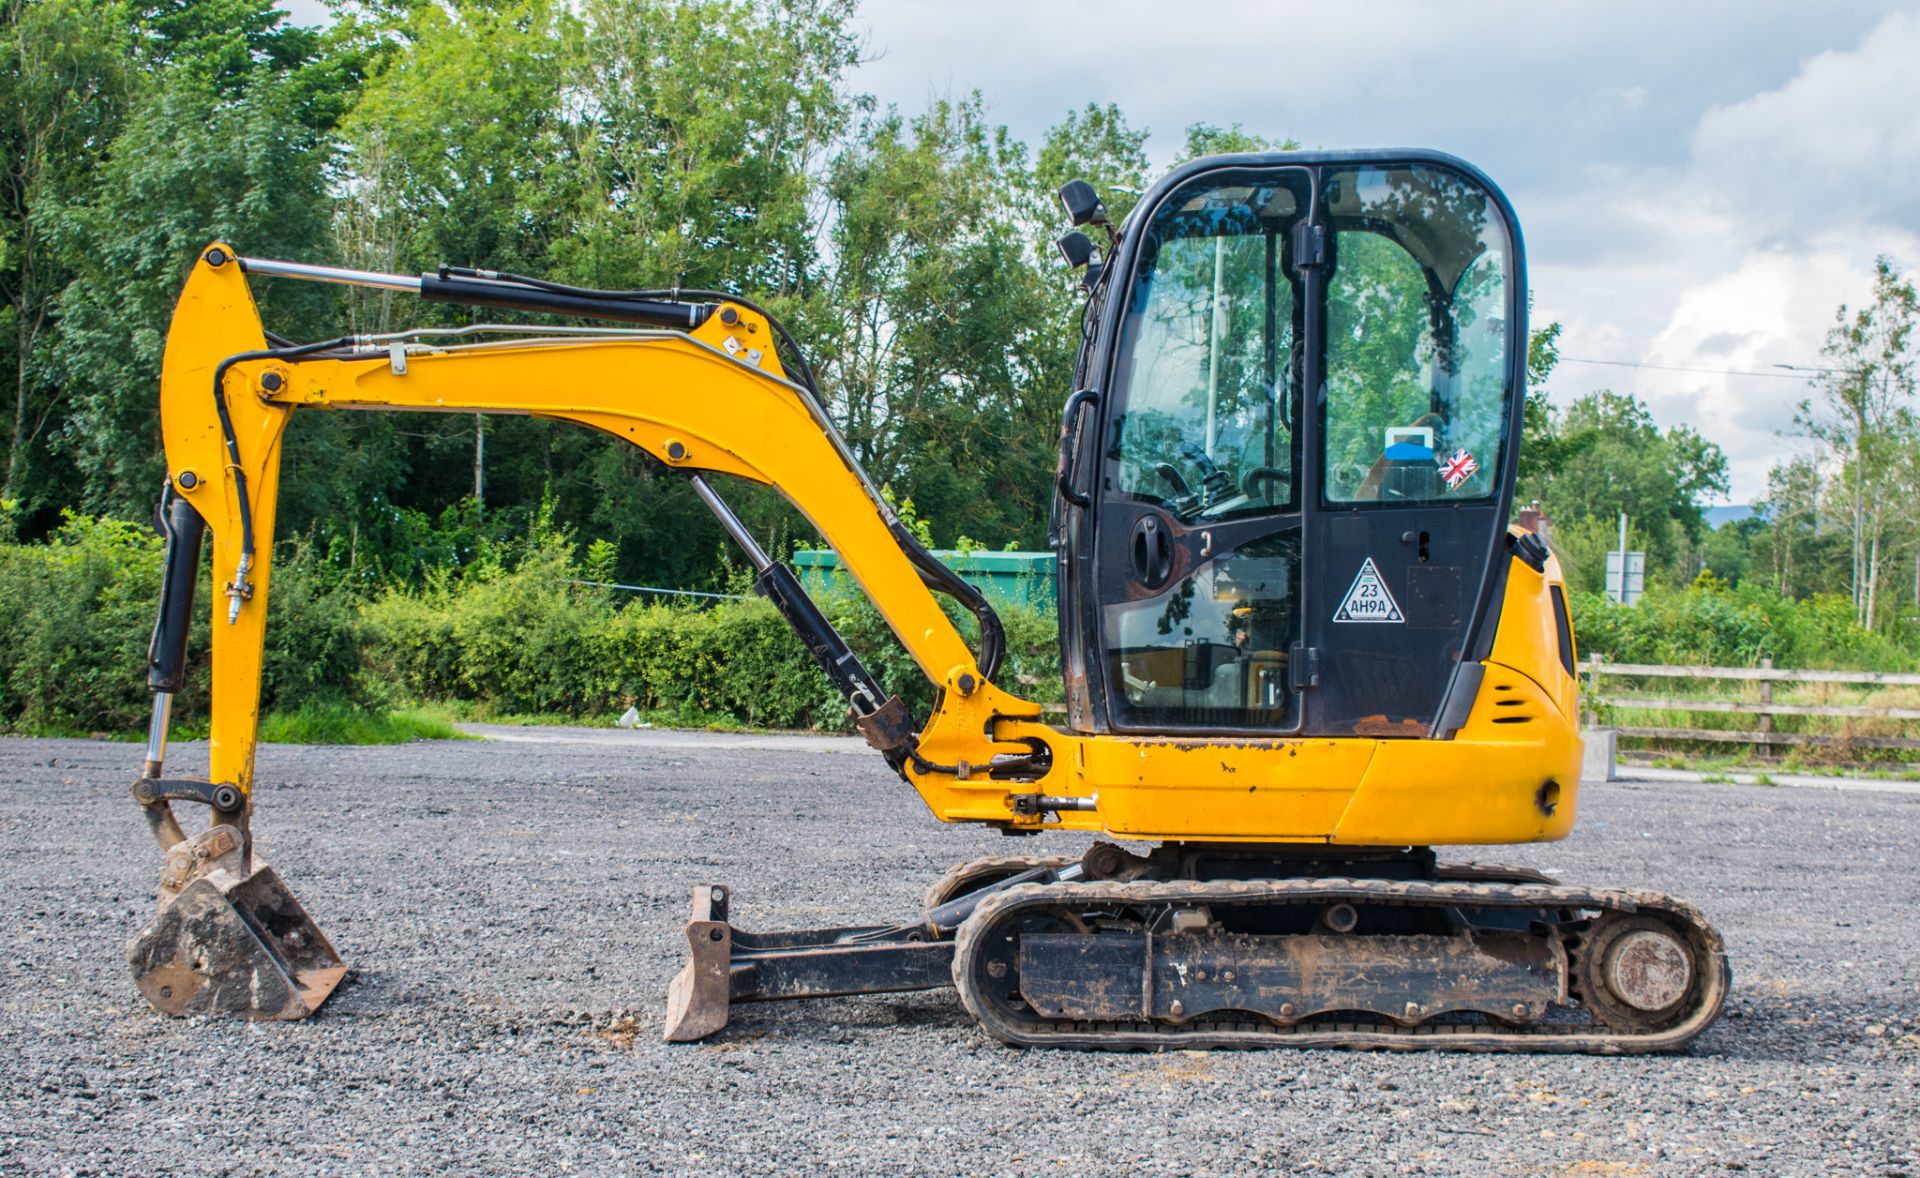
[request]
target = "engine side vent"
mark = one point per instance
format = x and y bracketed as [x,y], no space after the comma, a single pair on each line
[1509,705]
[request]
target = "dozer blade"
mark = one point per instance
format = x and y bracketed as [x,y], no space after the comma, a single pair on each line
[726,965]
[231,941]
[700,993]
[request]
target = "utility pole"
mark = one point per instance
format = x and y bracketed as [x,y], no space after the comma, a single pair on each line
[480,460]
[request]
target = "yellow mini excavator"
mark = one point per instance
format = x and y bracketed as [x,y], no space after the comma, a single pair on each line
[1302,645]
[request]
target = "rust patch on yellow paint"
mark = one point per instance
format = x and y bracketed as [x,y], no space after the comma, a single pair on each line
[1381,726]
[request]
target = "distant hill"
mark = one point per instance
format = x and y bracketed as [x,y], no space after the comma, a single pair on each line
[1731,514]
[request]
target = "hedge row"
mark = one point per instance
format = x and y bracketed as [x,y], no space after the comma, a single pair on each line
[522,638]
[519,634]
[1714,624]
[76,614]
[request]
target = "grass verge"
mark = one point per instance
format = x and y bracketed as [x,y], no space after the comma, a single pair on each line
[342,724]
[468,712]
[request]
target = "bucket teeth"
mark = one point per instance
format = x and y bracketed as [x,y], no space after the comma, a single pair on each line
[227,941]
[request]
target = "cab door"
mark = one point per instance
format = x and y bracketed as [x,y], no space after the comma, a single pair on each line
[1198,534]
[1305,450]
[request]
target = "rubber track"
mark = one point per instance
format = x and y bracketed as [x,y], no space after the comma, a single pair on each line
[1715,974]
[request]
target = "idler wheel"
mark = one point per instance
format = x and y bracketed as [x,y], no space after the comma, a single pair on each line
[1639,972]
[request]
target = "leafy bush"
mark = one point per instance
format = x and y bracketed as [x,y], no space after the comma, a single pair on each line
[1712,624]
[313,640]
[529,640]
[78,613]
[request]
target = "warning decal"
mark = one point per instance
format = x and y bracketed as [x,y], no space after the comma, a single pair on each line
[1368,600]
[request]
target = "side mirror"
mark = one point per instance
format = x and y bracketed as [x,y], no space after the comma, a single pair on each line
[1076,248]
[1082,203]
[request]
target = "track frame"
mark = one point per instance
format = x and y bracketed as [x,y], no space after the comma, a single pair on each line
[1507,946]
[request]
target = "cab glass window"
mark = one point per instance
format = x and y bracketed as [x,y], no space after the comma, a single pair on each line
[1207,426]
[1417,338]
[1212,651]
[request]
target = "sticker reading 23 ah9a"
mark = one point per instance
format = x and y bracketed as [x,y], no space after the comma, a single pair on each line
[1368,600]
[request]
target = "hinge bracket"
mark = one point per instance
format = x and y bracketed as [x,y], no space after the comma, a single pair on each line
[1303,666]
[1309,245]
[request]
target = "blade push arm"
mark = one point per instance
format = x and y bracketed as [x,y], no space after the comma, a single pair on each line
[709,399]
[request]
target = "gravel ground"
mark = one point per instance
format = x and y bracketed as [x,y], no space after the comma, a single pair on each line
[511,913]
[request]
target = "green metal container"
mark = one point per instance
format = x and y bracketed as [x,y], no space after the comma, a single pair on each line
[1007,578]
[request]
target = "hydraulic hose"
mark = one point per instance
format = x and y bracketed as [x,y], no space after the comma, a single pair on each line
[673,295]
[941,579]
[239,589]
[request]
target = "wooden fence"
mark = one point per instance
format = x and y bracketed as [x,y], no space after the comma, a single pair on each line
[1762,734]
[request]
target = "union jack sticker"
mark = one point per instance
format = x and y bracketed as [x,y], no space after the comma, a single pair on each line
[1459,468]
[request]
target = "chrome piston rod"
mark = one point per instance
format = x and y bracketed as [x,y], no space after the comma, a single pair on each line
[157,733]
[270,268]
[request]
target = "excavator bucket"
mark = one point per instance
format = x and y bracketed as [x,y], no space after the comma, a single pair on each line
[230,939]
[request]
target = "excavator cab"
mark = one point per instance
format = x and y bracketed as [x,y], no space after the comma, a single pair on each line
[1284,510]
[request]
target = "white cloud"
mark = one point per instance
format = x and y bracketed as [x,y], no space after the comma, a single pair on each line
[1837,145]
[1738,258]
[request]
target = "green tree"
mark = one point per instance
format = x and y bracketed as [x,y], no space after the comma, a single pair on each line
[1095,144]
[223,42]
[1211,139]
[712,128]
[937,363]
[461,149]
[205,154]
[1613,458]
[1792,507]
[1541,453]
[1864,418]
[64,83]
[709,121]
[622,145]
[462,153]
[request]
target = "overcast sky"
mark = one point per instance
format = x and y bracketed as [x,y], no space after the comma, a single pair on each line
[1700,183]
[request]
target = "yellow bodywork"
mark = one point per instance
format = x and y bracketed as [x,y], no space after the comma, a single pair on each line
[1510,775]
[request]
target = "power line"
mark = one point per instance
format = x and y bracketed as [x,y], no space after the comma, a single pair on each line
[1793,371]
[651,589]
